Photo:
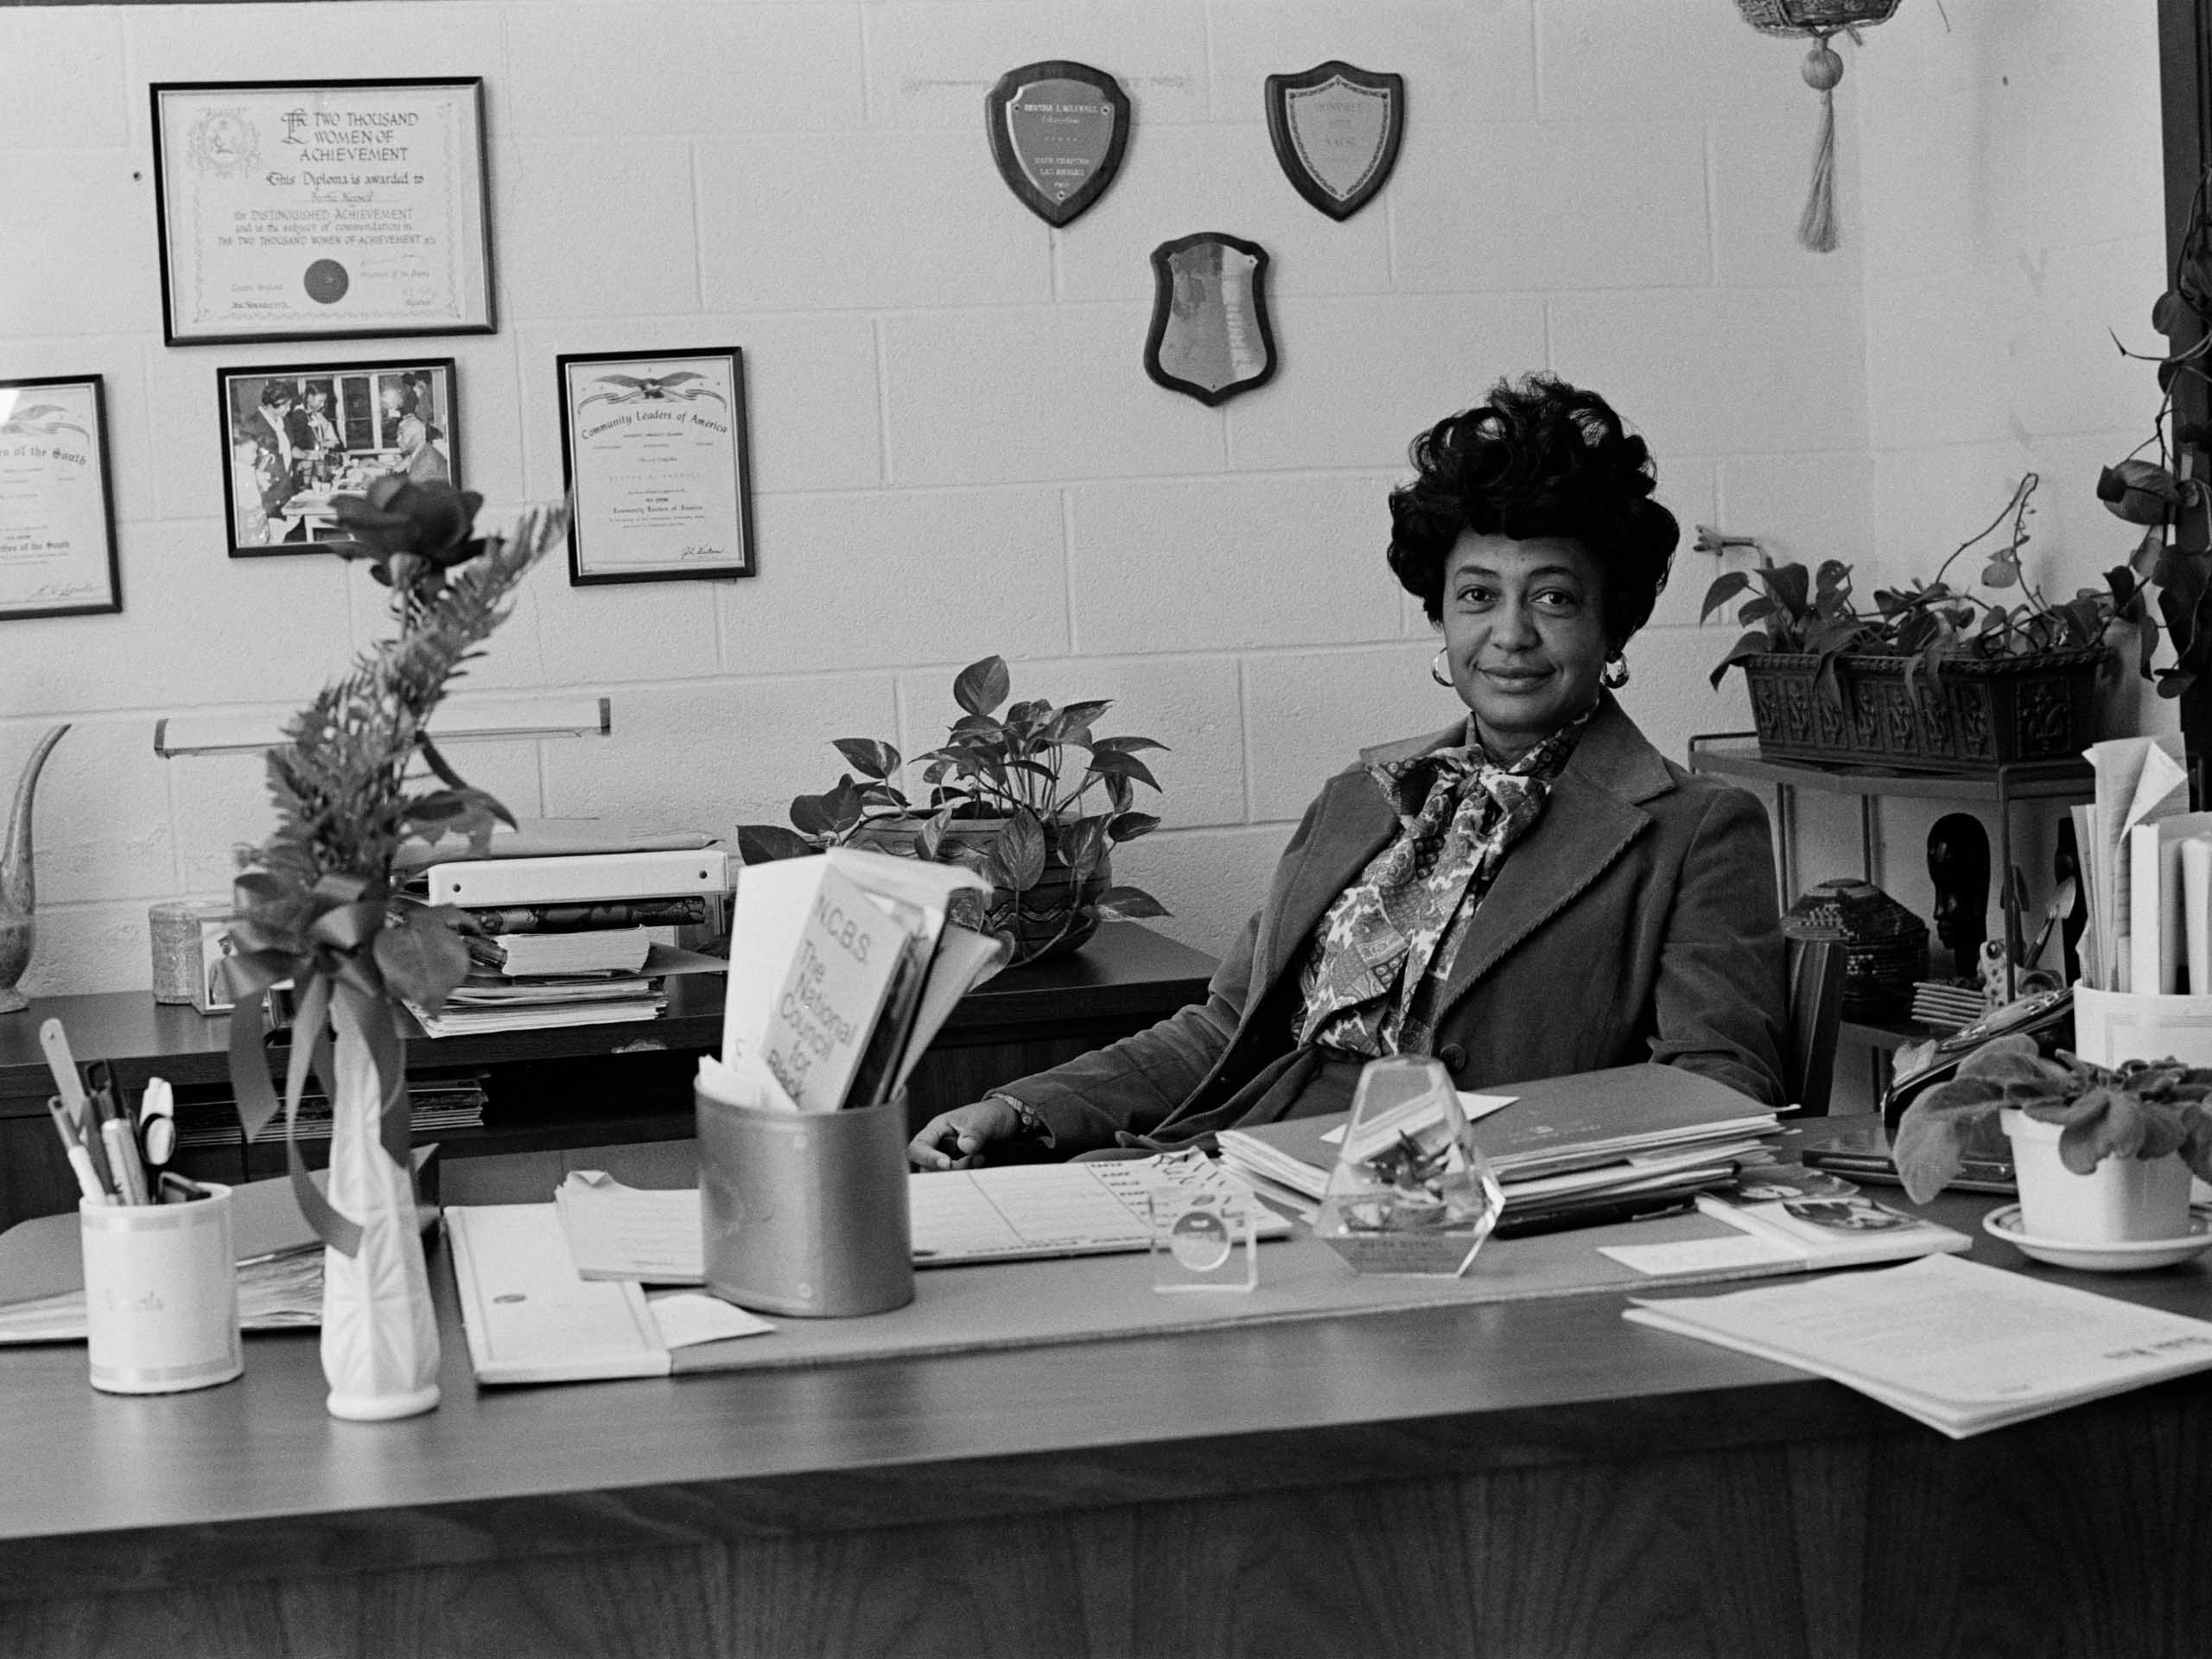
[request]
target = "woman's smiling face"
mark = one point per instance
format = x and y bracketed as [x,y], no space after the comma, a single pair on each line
[1524,632]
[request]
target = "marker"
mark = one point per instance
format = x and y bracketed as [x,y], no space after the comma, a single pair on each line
[123,1159]
[157,1123]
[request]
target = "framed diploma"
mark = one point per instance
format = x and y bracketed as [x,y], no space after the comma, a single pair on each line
[653,453]
[57,509]
[296,437]
[322,210]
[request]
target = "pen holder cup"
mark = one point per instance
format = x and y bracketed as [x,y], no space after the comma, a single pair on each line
[805,1212]
[2110,1027]
[160,1294]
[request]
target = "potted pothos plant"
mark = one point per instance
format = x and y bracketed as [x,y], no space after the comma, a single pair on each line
[1023,792]
[2103,1156]
[1936,674]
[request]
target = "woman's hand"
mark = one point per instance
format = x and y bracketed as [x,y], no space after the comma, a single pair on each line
[956,1139]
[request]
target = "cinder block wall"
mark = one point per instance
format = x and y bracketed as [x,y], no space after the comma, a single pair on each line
[956,448]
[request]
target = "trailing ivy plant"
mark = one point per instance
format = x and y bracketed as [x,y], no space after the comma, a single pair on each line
[1059,795]
[2163,495]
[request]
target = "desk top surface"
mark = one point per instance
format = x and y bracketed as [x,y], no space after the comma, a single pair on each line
[104,1492]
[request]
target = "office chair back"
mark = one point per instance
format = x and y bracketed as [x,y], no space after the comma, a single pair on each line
[1815,1013]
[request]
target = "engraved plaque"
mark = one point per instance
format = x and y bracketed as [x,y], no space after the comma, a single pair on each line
[1058,131]
[1335,132]
[1210,338]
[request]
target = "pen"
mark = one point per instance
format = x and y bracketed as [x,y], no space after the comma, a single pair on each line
[80,1161]
[1560,1221]
[123,1159]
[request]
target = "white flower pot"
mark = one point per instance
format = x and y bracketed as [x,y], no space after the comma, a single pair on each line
[2121,1199]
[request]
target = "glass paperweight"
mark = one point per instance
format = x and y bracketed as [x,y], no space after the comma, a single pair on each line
[1201,1227]
[1411,1194]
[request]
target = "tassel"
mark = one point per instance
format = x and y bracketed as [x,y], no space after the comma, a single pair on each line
[1816,227]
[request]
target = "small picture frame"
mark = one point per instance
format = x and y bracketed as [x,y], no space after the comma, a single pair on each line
[321,209]
[296,437]
[653,455]
[211,993]
[57,502]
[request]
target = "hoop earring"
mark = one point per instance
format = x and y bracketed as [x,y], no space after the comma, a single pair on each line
[1614,675]
[1436,668]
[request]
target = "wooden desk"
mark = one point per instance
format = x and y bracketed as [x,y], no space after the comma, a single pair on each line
[1512,1479]
[560,1087]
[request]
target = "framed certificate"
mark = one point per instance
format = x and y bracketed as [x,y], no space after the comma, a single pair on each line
[57,509]
[297,436]
[653,453]
[322,210]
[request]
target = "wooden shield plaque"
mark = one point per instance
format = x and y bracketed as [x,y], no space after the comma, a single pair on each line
[1335,132]
[1058,131]
[1210,337]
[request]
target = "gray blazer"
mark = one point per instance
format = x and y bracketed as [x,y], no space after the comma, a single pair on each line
[1636,921]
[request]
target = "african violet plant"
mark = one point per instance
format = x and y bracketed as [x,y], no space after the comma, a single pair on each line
[1925,621]
[2146,1108]
[1058,798]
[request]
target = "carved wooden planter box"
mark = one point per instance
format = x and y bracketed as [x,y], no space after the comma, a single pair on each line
[1980,713]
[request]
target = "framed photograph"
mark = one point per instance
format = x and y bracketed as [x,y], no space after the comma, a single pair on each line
[57,507]
[653,453]
[322,210]
[296,437]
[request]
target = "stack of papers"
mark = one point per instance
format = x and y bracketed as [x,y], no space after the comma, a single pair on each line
[1961,1347]
[2149,895]
[1641,1133]
[842,967]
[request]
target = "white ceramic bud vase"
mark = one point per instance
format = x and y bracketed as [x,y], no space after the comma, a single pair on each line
[379,1330]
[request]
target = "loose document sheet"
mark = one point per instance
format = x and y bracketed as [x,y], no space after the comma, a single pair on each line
[1961,1346]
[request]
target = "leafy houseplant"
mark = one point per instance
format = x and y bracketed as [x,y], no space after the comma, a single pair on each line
[2164,496]
[1934,675]
[1029,797]
[2145,1126]
[358,778]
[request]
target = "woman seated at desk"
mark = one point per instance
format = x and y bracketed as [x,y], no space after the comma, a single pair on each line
[1532,892]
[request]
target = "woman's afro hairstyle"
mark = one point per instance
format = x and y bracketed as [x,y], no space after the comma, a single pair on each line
[1540,458]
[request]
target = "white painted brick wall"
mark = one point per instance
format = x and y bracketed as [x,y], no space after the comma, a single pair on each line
[956,448]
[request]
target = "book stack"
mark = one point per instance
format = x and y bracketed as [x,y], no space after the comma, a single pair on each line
[1948,1005]
[842,967]
[208,1119]
[1632,1141]
[569,938]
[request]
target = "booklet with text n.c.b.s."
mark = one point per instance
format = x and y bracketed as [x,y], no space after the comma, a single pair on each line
[1841,1231]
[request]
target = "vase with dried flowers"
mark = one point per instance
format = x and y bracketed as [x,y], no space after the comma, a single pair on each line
[320,904]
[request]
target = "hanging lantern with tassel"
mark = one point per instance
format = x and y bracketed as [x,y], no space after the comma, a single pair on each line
[1822,68]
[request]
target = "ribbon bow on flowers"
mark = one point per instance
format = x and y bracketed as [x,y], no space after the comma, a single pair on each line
[322,909]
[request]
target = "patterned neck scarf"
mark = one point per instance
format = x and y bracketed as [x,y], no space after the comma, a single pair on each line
[1386,944]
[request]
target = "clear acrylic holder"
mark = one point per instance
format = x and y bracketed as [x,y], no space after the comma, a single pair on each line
[1410,1193]
[1203,1230]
